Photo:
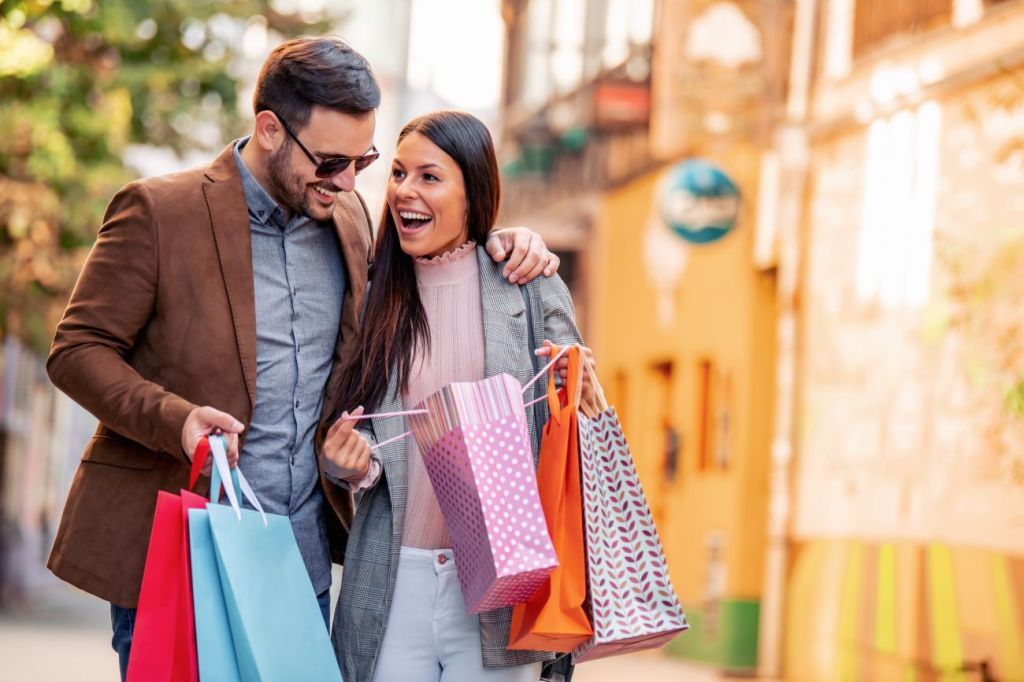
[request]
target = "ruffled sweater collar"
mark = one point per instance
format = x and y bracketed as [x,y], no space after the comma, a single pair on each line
[449,268]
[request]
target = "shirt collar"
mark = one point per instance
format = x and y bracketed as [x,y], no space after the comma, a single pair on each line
[262,207]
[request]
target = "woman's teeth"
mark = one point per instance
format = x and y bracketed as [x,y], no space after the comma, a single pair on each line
[411,220]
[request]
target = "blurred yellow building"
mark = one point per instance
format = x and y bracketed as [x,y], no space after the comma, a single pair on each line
[826,404]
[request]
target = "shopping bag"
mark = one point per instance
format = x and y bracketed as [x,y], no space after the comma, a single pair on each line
[631,602]
[476,449]
[214,644]
[276,626]
[163,641]
[554,619]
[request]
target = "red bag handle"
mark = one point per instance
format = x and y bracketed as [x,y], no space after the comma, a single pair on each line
[198,461]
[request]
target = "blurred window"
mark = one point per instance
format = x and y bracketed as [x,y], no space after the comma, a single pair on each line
[876,22]
[567,44]
[705,425]
[898,213]
[627,23]
[569,271]
[536,82]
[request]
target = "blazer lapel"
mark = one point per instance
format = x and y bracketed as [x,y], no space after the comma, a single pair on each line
[504,316]
[354,238]
[394,456]
[229,216]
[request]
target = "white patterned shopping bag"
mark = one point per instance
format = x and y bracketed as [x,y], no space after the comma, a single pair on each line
[630,598]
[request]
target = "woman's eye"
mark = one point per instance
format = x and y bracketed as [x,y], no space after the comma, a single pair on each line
[397,174]
[430,178]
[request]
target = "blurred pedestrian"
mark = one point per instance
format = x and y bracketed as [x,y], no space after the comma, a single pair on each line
[226,299]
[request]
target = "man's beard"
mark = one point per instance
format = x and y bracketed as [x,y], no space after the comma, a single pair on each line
[288,189]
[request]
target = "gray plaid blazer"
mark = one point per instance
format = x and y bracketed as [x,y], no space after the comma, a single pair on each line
[371,557]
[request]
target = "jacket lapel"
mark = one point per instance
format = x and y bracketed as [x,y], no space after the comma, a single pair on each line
[504,317]
[394,456]
[354,237]
[229,216]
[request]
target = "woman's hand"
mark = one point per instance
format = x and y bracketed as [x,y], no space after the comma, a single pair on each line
[346,453]
[591,396]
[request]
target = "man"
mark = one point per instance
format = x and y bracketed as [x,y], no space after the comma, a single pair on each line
[226,299]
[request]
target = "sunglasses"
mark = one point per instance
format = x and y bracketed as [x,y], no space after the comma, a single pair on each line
[332,165]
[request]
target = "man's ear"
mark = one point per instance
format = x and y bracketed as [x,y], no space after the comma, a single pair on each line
[268,132]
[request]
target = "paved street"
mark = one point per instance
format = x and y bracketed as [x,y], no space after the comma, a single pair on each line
[66,636]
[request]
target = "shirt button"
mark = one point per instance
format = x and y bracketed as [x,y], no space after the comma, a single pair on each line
[442,559]
[296,403]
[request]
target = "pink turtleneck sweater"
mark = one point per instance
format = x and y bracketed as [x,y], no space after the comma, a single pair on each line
[449,288]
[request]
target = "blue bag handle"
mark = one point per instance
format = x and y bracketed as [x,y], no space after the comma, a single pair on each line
[221,472]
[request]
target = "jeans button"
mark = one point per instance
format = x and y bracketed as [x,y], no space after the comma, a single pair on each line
[442,559]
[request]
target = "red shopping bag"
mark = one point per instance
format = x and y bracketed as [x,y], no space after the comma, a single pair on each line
[164,640]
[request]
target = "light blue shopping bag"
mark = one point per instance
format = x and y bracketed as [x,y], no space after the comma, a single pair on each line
[214,645]
[268,625]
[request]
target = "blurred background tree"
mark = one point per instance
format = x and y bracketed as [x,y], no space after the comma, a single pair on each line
[81,81]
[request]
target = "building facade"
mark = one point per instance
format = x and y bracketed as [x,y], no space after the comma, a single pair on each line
[826,404]
[907,524]
[684,331]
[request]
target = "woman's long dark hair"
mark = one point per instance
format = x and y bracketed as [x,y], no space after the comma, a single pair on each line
[395,325]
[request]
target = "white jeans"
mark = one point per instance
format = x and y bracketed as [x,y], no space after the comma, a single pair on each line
[429,636]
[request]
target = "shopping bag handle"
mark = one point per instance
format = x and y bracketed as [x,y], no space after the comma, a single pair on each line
[551,363]
[222,473]
[600,401]
[202,452]
[573,382]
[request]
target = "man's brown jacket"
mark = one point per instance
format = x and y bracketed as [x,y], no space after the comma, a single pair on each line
[163,320]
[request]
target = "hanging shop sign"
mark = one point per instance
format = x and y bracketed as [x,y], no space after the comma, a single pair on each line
[700,202]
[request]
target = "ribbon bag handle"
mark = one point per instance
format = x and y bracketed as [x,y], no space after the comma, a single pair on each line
[573,381]
[222,473]
[202,452]
[599,403]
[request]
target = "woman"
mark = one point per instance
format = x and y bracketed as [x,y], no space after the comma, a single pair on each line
[438,311]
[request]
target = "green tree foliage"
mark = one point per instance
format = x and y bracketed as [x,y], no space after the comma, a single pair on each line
[80,80]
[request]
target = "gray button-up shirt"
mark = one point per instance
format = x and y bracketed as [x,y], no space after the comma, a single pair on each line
[299,280]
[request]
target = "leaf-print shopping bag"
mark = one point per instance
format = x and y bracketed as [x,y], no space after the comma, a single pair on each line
[630,598]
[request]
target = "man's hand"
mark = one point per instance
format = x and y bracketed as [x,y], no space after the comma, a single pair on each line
[202,422]
[345,453]
[526,252]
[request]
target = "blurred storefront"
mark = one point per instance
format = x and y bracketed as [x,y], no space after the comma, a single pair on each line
[826,403]
[42,434]
[908,492]
[642,164]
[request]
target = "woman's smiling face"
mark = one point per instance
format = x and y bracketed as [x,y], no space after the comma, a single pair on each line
[427,198]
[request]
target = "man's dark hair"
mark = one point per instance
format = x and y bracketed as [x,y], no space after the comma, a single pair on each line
[304,72]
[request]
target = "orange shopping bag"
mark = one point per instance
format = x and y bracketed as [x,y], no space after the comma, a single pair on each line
[554,619]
